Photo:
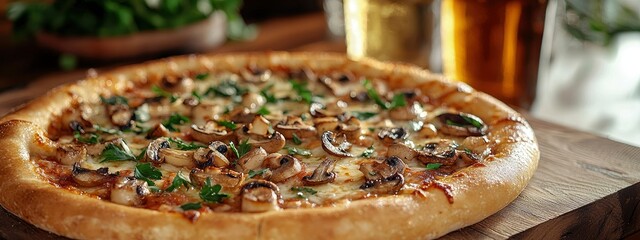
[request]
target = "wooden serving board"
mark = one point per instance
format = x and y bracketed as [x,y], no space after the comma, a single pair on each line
[586,187]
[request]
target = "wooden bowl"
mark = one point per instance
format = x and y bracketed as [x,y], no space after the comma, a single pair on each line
[198,36]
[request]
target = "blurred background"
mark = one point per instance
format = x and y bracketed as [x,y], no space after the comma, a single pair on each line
[571,62]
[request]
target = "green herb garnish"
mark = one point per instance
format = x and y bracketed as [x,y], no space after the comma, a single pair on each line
[228,124]
[191,206]
[178,181]
[115,100]
[253,173]
[210,193]
[304,94]
[91,139]
[226,89]
[263,111]
[147,172]
[242,148]
[114,153]
[296,139]
[202,76]
[303,192]
[433,166]
[397,101]
[363,115]
[472,121]
[162,93]
[196,95]
[175,119]
[271,98]
[368,153]
[182,145]
[298,151]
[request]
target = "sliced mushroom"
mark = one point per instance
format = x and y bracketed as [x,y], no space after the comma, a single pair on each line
[260,196]
[332,110]
[204,113]
[153,150]
[223,176]
[241,115]
[324,124]
[216,154]
[120,114]
[76,118]
[295,125]
[402,151]
[407,113]
[329,139]
[71,153]
[129,191]
[322,174]
[461,124]
[158,131]
[252,100]
[191,102]
[390,135]
[178,158]
[177,84]
[289,167]
[254,74]
[210,133]
[428,130]
[272,161]
[253,159]
[90,178]
[443,152]
[383,177]
[350,128]
[259,126]
[271,144]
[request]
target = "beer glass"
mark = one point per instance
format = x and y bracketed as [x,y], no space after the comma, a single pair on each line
[389,30]
[494,46]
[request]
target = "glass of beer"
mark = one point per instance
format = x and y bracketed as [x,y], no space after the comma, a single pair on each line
[389,30]
[494,46]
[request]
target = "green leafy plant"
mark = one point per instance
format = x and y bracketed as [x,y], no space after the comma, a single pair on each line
[599,21]
[107,18]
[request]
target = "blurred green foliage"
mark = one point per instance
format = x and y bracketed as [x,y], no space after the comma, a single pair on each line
[599,20]
[107,18]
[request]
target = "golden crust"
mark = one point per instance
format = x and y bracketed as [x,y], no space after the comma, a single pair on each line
[477,192]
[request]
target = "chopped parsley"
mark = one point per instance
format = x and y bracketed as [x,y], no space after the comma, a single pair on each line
[115,100]
[304,94]
[211,193]
[191,206]
[226,89]
[304,192]
[397,101]
[228,124]
[242,148]
[175,119]
[363,115]
[263,111]
[296,139]
[298,151]
[178,181]
[196,95]
[202,76]
[368,153]
[270,98]
[433,166]
[114,153]
[182,145]
[472,121]
[92,138]
[162,93]
[142,154]
[253,173]
[147,172]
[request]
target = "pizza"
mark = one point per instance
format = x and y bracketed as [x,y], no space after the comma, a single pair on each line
[263,146]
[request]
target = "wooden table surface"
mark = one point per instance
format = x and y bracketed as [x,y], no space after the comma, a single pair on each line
[586,186]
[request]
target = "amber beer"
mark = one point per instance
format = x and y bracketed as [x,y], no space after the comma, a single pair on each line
[389,30]
[494,45]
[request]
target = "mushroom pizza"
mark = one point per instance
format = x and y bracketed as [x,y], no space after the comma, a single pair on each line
[262,146]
